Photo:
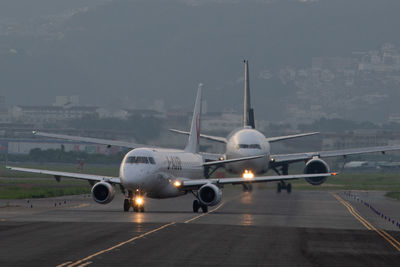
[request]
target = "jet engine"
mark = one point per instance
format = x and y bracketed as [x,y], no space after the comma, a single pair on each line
[210,195]
[103,192]
[316,165]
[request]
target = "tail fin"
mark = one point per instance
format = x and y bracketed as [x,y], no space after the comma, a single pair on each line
[194,136]
[248,112]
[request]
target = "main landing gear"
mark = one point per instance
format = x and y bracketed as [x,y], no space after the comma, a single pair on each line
[247,187]
[282,185]
[135,201]
[197,204]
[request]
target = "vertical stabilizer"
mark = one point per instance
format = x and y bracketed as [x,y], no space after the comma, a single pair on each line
[248,113]
[194,136]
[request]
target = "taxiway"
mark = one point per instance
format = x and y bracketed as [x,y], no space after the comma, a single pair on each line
[262,228]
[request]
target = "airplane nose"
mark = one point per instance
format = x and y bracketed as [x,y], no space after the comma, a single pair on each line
[135,177]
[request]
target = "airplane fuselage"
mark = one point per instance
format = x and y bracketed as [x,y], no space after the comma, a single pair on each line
[245,142]
[154,171]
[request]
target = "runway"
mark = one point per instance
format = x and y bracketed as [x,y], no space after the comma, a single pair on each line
[262,228]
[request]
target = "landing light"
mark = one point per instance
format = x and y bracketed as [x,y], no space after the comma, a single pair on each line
[177,183]
[139,201]
[248,174]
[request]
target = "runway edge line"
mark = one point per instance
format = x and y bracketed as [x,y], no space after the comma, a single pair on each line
[390,239]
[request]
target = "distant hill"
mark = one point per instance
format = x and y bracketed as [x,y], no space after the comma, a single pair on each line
[131,52]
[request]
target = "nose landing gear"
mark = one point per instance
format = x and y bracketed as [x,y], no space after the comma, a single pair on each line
[127,204]
[138,205]
[135,201]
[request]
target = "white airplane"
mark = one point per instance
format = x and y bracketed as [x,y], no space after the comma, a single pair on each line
[162,173]
[247,141]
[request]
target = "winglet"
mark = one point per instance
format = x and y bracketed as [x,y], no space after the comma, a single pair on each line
[194,135]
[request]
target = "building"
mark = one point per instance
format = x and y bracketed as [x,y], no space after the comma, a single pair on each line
[47,114]
[3,110]
[24,146]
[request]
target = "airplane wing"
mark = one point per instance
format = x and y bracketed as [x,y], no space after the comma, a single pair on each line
[211,156]
[287,158]
[220,162]
[205,136]
[285,137]
[90,140]
[90,177]
[195,184]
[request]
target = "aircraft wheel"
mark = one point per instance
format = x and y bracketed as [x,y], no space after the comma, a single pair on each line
[142,209]
[250,187]
[204,208]
[135,208]
[196,206]
[279,188]
[289,188]
[127,204]
[247,187]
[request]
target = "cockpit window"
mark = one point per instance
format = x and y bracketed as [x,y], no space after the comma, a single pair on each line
[251,146]
[138,159]
[151,160]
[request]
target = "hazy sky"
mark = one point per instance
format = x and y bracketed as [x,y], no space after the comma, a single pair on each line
[129,53]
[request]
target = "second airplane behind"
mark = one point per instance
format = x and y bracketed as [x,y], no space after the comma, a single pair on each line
[248,141]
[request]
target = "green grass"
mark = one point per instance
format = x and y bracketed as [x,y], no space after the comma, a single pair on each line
[354,181]
[19,185]
[395,195]
[16,192]
[25,185]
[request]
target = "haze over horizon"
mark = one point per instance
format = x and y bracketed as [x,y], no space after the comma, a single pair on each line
[128,53]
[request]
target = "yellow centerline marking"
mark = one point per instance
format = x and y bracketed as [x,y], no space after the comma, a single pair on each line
[390,239]
[120,244]
[63,264]
[83,262]
[201,215]
[79,206]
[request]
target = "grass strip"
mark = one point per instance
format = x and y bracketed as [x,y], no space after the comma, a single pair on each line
[394,195]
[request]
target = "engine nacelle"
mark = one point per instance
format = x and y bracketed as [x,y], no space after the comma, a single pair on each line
[103,192]
[316,165]
[210,195]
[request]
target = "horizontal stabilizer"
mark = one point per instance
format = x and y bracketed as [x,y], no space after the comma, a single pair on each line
[220,162]
[285,137]
[209,137]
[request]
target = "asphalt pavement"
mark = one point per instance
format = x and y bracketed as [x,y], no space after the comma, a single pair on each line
[261,228]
